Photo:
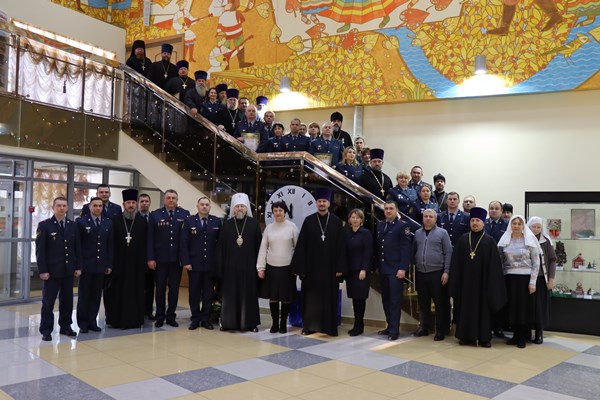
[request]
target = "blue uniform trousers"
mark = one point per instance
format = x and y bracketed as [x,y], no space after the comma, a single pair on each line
[392,291]
[201,290]
[88,299]
[167,274]
[63,289]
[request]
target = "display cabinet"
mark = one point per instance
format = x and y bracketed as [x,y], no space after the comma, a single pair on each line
[573,222]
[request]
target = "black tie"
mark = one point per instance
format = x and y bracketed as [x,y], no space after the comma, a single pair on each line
[62,225]
[451,217]
[203,224]
[171,214]
[97,222]
[327,145]
[146,216]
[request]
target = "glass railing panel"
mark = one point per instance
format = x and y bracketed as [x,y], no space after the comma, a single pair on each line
[10,111]
[101,137]
[52,129]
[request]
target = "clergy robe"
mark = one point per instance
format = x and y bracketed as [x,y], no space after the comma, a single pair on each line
[141,66]
[317,261]
[236,266]
[371,180]
[158,70]
[126,289]
[477,286]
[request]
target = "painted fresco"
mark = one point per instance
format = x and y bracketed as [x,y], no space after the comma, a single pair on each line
[346,52]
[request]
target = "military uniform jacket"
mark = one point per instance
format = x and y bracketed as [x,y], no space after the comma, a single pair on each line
[393,246]
[210,111]
[352,172]
[109,210]
[495,228]
[295,143]
[164,234]
[335,148]
[405,200]
[456,229]
[273,145]
[97,244]
[57,252]
[255,127]
[199,244]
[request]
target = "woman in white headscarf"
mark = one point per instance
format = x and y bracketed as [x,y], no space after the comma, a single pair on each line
[545,279]
[520,255]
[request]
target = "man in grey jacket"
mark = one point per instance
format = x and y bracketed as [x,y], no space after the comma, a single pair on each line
[431,254]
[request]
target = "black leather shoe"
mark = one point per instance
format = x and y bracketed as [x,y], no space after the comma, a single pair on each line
[173,323]
[356,332]
[421,332]
[207,325]
[512,341]
[438,337]
[538,340]
[95,329]
[274,329]
[47,337]
[159,324]
[393,337]
[68,332]
[151,317]
[83,330]
[193,326]
[487,345]
[383,332]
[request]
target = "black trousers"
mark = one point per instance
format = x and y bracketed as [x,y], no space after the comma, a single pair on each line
[392,292]
[201,290]
[149,292]
[88,299]
[429,287]
[63,289]
[168,275]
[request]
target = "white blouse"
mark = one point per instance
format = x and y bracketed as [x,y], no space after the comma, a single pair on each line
[277,246]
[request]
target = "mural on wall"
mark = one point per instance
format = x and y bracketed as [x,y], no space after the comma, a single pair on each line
[346,52]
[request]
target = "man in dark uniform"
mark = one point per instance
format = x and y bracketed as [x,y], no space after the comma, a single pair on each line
[58,256]
[199,237]
[269,119]
[440,196]
[275,143]
[138,60]
[161,71]
[97,250]
[325,147]
[293,141]
[109,209]
[453,220]
[229,116]
[495,226]
[373,179]
[179,85]
[416,181]
[194,98]
[164,232]
[336,119]
[261,107]
[251,126]
[144,203]
[392,252]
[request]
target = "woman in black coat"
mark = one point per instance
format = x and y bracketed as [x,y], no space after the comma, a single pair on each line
[359,250]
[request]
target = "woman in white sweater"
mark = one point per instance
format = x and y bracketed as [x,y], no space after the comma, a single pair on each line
[273,266]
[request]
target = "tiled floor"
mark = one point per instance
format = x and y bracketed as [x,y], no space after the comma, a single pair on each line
[168,363]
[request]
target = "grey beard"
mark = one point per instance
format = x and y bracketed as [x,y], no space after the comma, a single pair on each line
[240,215]
[201,90]
[231,107]
[129,215]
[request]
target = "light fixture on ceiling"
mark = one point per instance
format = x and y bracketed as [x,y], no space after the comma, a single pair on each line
[284,84]
[480,67]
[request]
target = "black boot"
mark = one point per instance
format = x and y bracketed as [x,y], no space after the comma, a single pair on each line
[524,333]
[285,311]
[539,335]
[359,315]
[274,306]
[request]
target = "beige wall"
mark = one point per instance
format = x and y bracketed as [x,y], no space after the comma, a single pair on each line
[53,17]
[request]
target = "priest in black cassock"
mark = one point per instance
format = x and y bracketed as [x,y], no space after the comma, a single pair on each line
[373,179]
[229,116]
[125,305]
[161,71]
[237,252]
[179,85]
[138,60]
[320,260]
[476,282]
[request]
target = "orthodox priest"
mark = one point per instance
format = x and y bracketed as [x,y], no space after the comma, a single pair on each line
[126,290]
[476,282]
[374,180]
[320,260]
[237,252]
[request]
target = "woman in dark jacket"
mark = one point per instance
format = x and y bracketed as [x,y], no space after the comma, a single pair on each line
[349,167]
[359,249]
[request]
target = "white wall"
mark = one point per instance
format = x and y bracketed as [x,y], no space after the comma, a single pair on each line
[73,24]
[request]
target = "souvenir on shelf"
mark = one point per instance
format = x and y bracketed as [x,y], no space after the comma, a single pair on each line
[578,262]
[554,227]
[579,289]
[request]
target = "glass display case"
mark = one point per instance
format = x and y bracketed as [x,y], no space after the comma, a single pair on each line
[573,222]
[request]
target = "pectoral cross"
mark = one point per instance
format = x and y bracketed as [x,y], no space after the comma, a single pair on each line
[143,67]
[323,237]
[128,238]
[184,86]
[472,254]
[166,75]
[382,192]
